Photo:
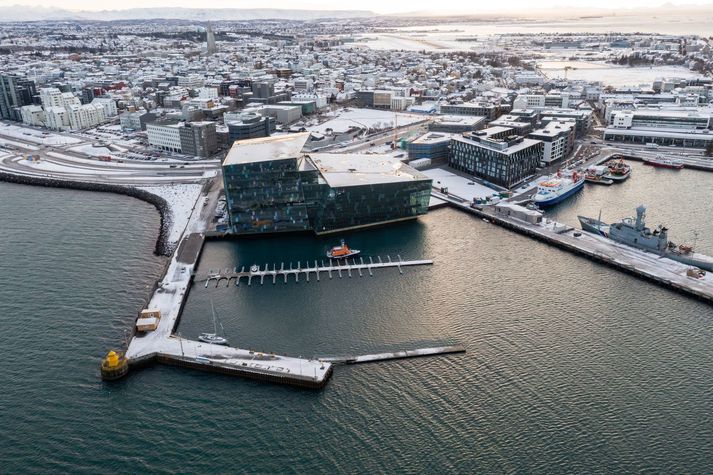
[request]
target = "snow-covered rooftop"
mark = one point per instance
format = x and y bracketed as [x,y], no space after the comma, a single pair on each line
[266,148]
[353,169]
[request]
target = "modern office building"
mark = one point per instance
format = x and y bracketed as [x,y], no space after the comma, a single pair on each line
[456,124]
[432,145]
[483,109]
[557,139]
[689,120]
[197,139]
[15,92]
[505,162]
[665,137]
[248,126]
[582,118]
[272,186]
[513,122]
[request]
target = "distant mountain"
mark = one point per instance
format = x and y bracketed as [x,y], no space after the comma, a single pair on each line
[24,13]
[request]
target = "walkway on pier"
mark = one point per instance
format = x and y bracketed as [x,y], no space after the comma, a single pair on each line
[331,268]
[395,355]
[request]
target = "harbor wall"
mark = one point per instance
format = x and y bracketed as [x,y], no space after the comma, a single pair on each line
[592,255]
[162,248]
[173,360]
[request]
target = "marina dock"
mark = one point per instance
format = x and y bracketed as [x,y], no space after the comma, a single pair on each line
[163,345]
[339,268]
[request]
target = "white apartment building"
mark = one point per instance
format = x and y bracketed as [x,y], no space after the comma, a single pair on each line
[192,81]
[32,115]
[164,136]
[57,118]
[304,85]
[51,97]
[85,116]
[208,93]
[108,104]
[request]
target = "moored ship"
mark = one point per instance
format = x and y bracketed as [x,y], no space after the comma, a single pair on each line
[558,188]
[662,162]
[618,170]
[634,232]
[598,175]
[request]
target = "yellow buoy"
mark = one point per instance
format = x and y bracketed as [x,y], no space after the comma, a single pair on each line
[114,366]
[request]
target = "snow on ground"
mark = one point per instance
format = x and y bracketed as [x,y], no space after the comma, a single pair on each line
[17,144]
[458,185]
[91,150]
[365,119]
[181,199]
[36,136]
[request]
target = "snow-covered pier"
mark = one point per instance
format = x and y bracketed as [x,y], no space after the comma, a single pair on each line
[395,355]
[661,270]
[332,268]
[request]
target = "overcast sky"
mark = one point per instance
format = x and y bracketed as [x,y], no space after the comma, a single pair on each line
[378,6]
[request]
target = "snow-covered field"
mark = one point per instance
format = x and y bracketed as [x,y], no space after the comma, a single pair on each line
[93,151]
[36,136]
[365,119]
[181,199]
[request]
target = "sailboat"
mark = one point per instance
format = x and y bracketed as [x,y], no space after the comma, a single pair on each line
[214,338]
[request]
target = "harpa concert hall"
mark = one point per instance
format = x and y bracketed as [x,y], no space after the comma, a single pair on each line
[272,186]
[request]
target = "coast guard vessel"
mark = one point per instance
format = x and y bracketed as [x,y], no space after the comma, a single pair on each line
[633,232]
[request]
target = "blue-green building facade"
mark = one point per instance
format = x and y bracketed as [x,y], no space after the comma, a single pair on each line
[271,186]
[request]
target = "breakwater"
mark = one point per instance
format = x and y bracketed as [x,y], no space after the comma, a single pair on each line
[162,248]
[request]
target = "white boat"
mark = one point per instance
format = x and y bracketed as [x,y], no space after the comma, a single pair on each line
[558,188]
[214,338]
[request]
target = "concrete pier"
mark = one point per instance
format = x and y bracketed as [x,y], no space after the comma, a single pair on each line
[660,270]
[395,355]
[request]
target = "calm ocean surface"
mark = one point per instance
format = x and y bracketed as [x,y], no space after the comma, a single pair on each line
[571,366]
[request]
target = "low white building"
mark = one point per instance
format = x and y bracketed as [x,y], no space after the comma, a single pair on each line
[400,103]
[33,115]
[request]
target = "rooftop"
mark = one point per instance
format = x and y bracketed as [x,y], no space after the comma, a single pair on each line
[264,149]
[353,169]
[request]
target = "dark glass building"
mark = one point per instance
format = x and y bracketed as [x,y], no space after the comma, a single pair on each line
[503,161]
[271,186]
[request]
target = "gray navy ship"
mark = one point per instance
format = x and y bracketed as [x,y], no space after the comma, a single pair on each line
[634,233]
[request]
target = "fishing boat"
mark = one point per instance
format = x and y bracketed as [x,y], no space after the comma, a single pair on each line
[214,338]
[618,170]
[558,188]
[342,251]
[662,162]
[598,175]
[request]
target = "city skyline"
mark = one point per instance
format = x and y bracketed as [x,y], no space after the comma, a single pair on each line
[393,7]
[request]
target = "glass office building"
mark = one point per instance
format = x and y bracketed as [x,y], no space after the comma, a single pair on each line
[271,186]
